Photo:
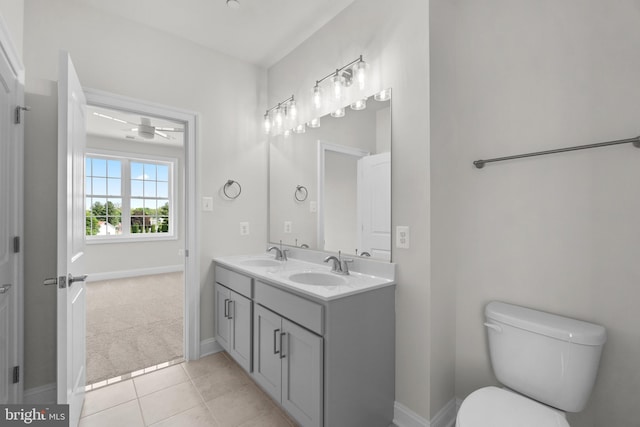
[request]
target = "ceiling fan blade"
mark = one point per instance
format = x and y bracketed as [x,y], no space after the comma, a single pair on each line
[170,129]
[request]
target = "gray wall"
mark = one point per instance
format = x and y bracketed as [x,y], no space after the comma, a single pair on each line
[557,233]
[394,39]
[129,256]
[12,12]
[115,55]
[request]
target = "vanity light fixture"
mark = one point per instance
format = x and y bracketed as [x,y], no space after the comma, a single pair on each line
[276,116]
[383,95]
[300,128]
[342,78]
[360,104]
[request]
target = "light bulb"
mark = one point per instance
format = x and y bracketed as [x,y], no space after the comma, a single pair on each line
[287,133]
[314,123]
[300,128]
[383,95]
[338,85]
[317,96]
[360,73]
[338,113]
[267,124]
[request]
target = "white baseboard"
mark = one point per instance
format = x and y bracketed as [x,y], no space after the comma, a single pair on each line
[405,417]
[43,394]
[209,346]
[123,274]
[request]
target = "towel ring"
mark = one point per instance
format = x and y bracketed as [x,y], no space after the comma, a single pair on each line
[302,190]
[227,185]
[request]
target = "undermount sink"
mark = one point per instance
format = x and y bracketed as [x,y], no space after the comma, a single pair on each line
[317,279]
[260,262]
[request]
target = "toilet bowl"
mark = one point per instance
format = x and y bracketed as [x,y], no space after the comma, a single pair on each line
[547,362]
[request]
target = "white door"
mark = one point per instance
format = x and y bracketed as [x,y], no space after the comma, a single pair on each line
[9,222]
[374,205]
[71,230]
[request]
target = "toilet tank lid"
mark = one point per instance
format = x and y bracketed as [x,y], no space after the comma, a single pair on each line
[552,325]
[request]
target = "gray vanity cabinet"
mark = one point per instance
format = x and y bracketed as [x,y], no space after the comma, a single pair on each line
[234,317]
[288,362]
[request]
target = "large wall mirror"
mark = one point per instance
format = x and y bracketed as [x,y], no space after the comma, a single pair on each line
[330,187]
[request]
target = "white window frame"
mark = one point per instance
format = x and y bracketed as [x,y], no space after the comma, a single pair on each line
[126,159]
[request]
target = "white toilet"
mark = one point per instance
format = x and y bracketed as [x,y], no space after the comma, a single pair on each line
[548,362]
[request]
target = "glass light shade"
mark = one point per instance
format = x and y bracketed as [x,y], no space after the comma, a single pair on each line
[383,95]
[317,96]
[338,113]
[337,82]
[287,133]
[314,123]
[278,118]
[292,110]
[360,73]
[360,104]
[300,128]
[267,124]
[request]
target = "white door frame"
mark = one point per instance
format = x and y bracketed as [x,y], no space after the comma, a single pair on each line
[8,50]
[323,147]
[192,263]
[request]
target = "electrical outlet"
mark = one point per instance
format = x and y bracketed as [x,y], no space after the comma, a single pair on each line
[288,225]
[313,207]
[244,228]
[402,237]
[207,204]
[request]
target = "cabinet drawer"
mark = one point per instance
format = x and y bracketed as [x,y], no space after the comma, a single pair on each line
[295,308]
[234,281]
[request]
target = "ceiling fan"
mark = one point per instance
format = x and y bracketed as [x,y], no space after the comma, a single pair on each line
[144,129]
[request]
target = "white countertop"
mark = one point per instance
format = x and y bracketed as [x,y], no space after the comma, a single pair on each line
[279,274]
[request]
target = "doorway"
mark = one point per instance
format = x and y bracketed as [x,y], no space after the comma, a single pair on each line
[140,182]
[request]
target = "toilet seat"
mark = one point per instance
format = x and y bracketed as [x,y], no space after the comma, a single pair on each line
[496,407]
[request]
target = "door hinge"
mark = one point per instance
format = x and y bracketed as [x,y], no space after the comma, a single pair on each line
[19,110]
[16,374]
[16,244]
[186,253]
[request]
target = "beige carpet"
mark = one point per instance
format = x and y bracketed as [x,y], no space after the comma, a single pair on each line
[133,324]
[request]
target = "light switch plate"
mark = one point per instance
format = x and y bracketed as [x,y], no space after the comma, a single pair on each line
[288,225]
[244,228]
[402,237]
[207,204]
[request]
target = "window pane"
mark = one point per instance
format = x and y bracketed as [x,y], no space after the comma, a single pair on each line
[114,207]
[149,189]
[114,187]
[99,167]
[163,226]
[87,166]
[87,204]
[163,207]
[136,204]
[150,207]
[150,171]
[99,186]
[114,168]
[137,224]
[137,188]
[87,186]
[136,171]
[163,173]
[163,189]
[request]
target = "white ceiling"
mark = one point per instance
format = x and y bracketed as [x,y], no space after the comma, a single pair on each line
[260,31]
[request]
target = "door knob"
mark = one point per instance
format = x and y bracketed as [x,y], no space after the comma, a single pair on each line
[4,288]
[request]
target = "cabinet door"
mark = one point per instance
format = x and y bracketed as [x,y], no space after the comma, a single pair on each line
[267,371]
[302,374]
[240,316]
[223,325]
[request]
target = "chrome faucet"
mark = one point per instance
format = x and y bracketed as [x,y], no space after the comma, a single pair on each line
[340,266]
[281,254]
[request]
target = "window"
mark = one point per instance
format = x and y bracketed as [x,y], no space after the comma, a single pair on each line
[128,198]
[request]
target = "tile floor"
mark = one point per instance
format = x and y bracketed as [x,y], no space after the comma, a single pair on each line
[211,392]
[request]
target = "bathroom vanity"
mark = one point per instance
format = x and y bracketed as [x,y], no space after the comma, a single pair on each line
[320,344]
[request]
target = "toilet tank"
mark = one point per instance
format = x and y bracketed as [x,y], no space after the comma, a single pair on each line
[550,358]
